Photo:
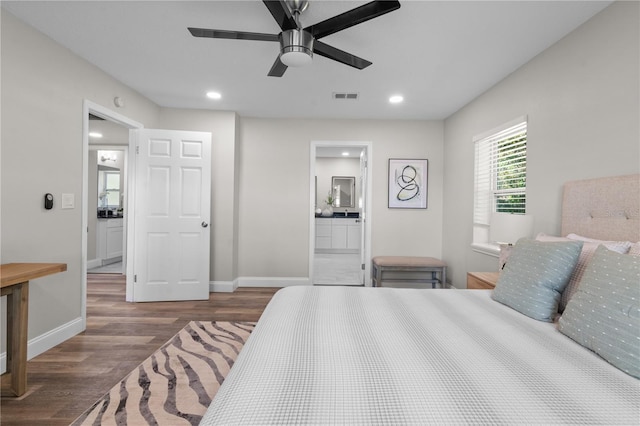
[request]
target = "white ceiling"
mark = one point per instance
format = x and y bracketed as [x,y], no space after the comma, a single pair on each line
[438,54]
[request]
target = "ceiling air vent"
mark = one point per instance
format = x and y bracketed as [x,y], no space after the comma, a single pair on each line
[345,96]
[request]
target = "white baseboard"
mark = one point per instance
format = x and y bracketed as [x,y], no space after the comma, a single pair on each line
[48,340]
[272,281]
[231,286]
[223,286]
[94,263]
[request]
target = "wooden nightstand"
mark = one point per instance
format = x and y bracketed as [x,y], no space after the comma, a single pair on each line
[482,280]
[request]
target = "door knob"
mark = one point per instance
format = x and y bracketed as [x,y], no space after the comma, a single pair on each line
[204,224]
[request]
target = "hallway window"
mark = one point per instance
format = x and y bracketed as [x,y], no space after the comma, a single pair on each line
[109,189]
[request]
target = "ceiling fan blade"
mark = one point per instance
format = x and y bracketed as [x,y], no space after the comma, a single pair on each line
[331,52]
[235,35]
[352,17]
[277,69]
[281,14]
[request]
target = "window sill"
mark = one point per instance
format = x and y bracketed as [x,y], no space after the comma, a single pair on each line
[486,248]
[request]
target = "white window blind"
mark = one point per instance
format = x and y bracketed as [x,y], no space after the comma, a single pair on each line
[500,175]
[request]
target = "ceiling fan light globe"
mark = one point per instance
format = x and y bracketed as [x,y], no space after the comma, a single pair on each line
[296,58]
[296,48]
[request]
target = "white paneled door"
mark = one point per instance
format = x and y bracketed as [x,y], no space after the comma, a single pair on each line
[172,214]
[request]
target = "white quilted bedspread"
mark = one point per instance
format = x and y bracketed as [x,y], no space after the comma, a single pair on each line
[343,355]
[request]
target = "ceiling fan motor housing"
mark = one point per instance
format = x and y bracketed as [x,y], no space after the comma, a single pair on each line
[297,6]
[296,47]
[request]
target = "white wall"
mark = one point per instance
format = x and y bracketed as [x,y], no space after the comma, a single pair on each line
[274,229]
[43,88]
[581,98]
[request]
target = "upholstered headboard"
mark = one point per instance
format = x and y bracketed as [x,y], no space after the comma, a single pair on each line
[603,208]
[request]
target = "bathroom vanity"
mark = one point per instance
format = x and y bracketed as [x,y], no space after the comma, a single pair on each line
[338,234]
[109,239]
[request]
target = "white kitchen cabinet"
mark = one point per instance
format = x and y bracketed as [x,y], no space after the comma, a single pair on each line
[109,240]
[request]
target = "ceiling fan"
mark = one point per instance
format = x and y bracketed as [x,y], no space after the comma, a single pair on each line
[297,44]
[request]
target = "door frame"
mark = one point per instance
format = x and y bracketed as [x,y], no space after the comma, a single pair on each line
[89,107]
[367,208]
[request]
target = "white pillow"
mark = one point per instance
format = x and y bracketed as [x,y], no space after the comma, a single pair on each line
[635,249]
[620,245]
[588,249]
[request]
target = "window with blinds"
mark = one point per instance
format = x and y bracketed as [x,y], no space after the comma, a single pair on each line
[500,175]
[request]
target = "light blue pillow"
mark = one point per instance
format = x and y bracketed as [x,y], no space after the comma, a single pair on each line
[604,313]
[535,275]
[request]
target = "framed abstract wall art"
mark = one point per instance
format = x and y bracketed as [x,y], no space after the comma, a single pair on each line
[408,183]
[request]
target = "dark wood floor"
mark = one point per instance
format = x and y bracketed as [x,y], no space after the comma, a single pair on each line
[66,380]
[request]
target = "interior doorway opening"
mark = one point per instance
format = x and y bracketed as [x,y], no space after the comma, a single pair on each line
[114,131]
[340,205]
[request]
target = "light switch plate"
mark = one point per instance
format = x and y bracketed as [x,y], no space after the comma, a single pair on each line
[68,201]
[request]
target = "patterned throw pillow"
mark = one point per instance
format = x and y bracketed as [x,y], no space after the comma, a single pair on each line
[588,248]
[535,276]
[604,314]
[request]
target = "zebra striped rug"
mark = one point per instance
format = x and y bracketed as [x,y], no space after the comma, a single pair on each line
[176,384]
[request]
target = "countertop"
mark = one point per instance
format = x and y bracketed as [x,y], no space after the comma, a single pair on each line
[340,215]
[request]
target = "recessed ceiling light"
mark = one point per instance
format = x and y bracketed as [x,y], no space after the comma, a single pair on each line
[346,154]
[214,95]
[396,99]
[95,135]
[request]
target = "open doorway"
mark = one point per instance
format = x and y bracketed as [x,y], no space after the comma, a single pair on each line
[339,249]
[114,130]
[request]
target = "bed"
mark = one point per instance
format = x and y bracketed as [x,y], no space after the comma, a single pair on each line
[344,355]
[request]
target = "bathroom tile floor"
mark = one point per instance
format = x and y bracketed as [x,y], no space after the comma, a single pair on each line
[336,269]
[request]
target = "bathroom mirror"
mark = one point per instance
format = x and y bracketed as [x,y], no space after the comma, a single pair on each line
[344,189]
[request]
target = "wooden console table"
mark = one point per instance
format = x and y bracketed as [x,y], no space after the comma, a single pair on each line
[14,283]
